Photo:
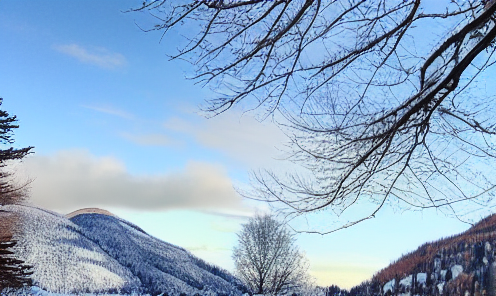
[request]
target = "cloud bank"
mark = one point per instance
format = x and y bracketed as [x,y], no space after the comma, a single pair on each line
[241,137]
[75,179]
[99,56]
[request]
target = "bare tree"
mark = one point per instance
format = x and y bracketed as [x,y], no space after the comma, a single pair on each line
[387,101]
[267,259]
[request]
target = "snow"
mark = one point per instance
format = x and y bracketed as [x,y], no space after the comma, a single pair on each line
[36,291]
[389,286]
[443,274]
[456,270]
[95,253]
[422,278]
[406,281]
[63,260]
[164,266]
[440,288]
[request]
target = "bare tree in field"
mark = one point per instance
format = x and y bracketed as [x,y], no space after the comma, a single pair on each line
[267,259]
[384,101]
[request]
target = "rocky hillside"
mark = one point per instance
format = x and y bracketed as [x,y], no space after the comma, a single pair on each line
[95,251]
[463,264]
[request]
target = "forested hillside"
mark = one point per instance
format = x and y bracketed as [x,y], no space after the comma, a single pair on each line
[462,264]
[98,252]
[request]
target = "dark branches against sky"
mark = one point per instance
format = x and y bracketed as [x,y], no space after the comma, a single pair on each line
[384,102]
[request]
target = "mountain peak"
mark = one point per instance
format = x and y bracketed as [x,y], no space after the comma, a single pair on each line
[90,211]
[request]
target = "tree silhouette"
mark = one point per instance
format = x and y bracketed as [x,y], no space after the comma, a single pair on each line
[390,102]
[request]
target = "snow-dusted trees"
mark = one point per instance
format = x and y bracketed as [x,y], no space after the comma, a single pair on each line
[267,259]
[387,101]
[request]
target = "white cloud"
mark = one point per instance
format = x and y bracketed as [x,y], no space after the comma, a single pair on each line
[151,140]
[241,137]
[111,111]
[74,179]
[98,56]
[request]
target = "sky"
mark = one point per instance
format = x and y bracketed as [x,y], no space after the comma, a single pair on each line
[115,125]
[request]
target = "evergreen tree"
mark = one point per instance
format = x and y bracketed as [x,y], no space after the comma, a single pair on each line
[13,273]
[9,193]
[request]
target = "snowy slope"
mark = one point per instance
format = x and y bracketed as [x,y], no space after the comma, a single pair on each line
[161,267]
[63,259]
[97,252]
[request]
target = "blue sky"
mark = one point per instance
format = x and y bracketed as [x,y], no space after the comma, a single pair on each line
[114,125]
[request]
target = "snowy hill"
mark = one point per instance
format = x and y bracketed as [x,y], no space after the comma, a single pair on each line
[95,251]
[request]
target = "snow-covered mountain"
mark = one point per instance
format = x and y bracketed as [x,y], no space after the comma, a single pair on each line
[94,251]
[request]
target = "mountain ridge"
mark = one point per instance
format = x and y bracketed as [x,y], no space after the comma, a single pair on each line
[96,251]
[89,211]
[103,212]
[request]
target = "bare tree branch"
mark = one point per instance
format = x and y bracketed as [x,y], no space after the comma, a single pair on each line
[383,101]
